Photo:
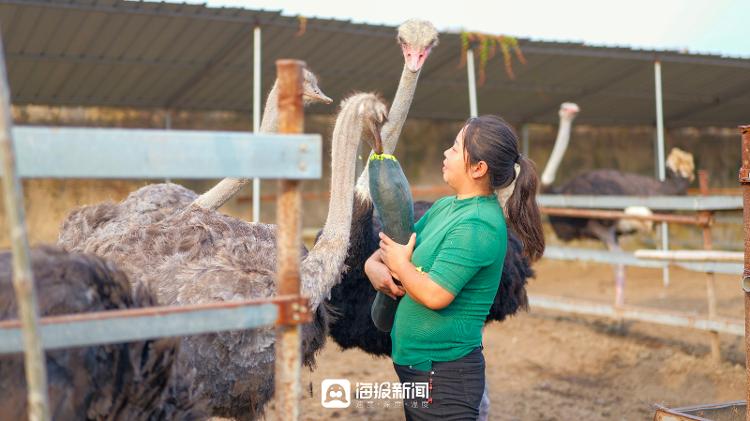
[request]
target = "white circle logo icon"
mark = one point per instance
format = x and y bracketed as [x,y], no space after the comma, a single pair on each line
[335,393]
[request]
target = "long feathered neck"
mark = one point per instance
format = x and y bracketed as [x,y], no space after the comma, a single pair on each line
[674,184]
[561,144]
[270,121]
[391,131]
[228,187]
[322,267]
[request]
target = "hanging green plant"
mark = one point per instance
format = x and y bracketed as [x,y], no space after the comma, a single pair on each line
[484,53]
[487,46]
[464,47]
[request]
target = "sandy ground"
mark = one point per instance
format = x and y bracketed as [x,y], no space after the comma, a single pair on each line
[552,366]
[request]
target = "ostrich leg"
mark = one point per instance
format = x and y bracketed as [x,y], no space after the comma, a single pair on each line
[608,236]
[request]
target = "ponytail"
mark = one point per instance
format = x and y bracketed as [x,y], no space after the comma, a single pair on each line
[491,139]
[523,211]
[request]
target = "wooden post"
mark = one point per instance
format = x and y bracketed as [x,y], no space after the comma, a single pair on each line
[288,338]
[710,278]
[23,281]
[744,177]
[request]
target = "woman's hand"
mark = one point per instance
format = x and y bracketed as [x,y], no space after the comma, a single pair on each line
[380,276]
[395,255]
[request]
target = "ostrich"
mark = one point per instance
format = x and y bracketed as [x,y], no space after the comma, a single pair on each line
[134,381]
[353,297]
[680,173]
[154,202]
[198,255]
[228,187]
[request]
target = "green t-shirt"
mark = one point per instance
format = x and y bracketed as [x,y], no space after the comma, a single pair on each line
[461,245]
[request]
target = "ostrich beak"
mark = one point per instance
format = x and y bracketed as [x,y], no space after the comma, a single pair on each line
[414,58]
[377,144]
[318,96]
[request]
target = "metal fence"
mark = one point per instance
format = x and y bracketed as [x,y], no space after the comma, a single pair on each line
[707,261]
[113,153]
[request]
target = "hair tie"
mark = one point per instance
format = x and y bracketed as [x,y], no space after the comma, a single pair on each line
[503,194]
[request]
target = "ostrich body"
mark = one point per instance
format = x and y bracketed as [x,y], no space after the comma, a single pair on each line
[154,202]
[228,187]
[353,297]
[126,381]
[198,255]
[680,173]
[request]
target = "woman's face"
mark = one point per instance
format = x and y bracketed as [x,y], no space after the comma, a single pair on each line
[454,164]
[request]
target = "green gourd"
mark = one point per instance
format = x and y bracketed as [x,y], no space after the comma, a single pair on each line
[393,203]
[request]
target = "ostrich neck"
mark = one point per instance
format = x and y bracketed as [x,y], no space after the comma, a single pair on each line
[228,187]
[674,184]
[270,121]
[561,144]
[321,270]
[391,131]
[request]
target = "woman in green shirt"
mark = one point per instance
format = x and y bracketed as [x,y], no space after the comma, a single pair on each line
[450,269]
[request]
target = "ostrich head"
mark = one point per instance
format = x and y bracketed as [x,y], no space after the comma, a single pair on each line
[681,163]
[373,113]
[416,37]
[569,111]
[627,226]
[311,93]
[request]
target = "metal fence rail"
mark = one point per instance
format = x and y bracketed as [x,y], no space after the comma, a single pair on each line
[629,259]
[669,318]
[117,153]
[114,326]
[53,152]
[707,261]
[679,203]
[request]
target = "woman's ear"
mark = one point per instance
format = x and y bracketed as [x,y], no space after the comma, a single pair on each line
[479,169]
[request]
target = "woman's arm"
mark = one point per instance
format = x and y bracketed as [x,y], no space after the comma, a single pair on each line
[417,284]
[380,276]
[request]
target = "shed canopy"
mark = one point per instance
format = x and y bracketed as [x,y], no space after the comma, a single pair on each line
[186,56]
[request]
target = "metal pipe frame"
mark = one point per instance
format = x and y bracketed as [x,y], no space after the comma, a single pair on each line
[627,312]
[63,152]
[287,311]
[680,203]
[23,279]
[256,112]
[471,75]
[115,326]
[701,220]
[629,259]
[660,164]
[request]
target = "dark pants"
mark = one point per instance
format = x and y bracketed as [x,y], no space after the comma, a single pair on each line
[456,392]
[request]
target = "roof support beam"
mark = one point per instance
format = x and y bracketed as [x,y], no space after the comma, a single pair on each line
[578,50]
[208,14]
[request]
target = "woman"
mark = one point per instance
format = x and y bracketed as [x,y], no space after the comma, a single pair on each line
[450,268]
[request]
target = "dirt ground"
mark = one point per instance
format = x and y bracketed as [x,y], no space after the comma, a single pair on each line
[550,366]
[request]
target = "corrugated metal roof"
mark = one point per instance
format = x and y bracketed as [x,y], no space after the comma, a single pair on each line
[187,56]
